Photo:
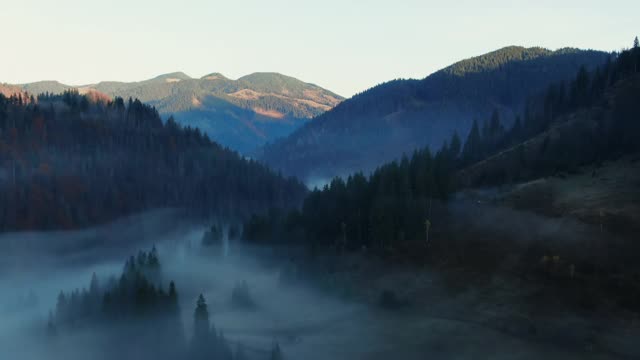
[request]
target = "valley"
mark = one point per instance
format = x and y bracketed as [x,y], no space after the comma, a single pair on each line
[475,194]
[333,303]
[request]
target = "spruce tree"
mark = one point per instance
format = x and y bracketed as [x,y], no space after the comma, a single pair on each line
[173,298]
[455,146]
[62,307]
[473,144]
[94,288]
[201,320]
[494,126]
[580,88]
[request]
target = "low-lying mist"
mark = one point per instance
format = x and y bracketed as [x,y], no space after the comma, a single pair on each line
[252,306]
[36,267]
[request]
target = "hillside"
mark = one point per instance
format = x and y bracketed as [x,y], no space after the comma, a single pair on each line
[586,165]
[71,161]
[605,194]
[242,114]
[551,202]
[574,155]
[381,123]
[9,90]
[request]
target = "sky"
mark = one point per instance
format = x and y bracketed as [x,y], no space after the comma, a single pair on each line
[344,46]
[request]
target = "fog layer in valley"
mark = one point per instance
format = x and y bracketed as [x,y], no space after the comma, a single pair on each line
[305,322]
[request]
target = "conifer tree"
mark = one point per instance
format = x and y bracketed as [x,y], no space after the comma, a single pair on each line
[494,125]
[94,288]
[455,146]
[472,146]
[173,298]
[62,307]
[201,320]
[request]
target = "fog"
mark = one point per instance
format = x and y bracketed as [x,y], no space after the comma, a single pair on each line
[306,322]
[37,266]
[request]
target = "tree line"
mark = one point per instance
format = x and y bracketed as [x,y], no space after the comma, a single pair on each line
[393,204]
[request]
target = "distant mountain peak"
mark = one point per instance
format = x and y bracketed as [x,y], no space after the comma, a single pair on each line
[271,77]
[47,83]
[273,82]
[242,114]
[214,76]
[497,58]
[265,74]
[173,77]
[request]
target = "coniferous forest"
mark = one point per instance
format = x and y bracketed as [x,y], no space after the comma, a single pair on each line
[395,202]
[607,96]
[139,318]
[74,160]
[488,207]
[396,117]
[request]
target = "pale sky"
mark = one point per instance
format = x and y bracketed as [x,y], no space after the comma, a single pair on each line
[344,45]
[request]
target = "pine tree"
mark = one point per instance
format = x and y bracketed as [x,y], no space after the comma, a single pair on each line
[636,44]
[472,146]
[494,125]
[94,288]
[455,146]
[173,298]
[201,320]
[152,259]
[62,307]
[580,87]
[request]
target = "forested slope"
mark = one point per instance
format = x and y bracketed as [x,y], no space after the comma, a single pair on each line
[401,116]
[241,114]
[71,160]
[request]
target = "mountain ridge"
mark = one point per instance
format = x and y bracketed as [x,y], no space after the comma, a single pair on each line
[241,114]
[399,116]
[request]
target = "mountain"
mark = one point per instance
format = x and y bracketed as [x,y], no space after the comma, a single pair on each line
[72,160]
[553,199]
[241,114]
[572,163]
[9,90]
[605,128]
[400,116]
[575,156]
